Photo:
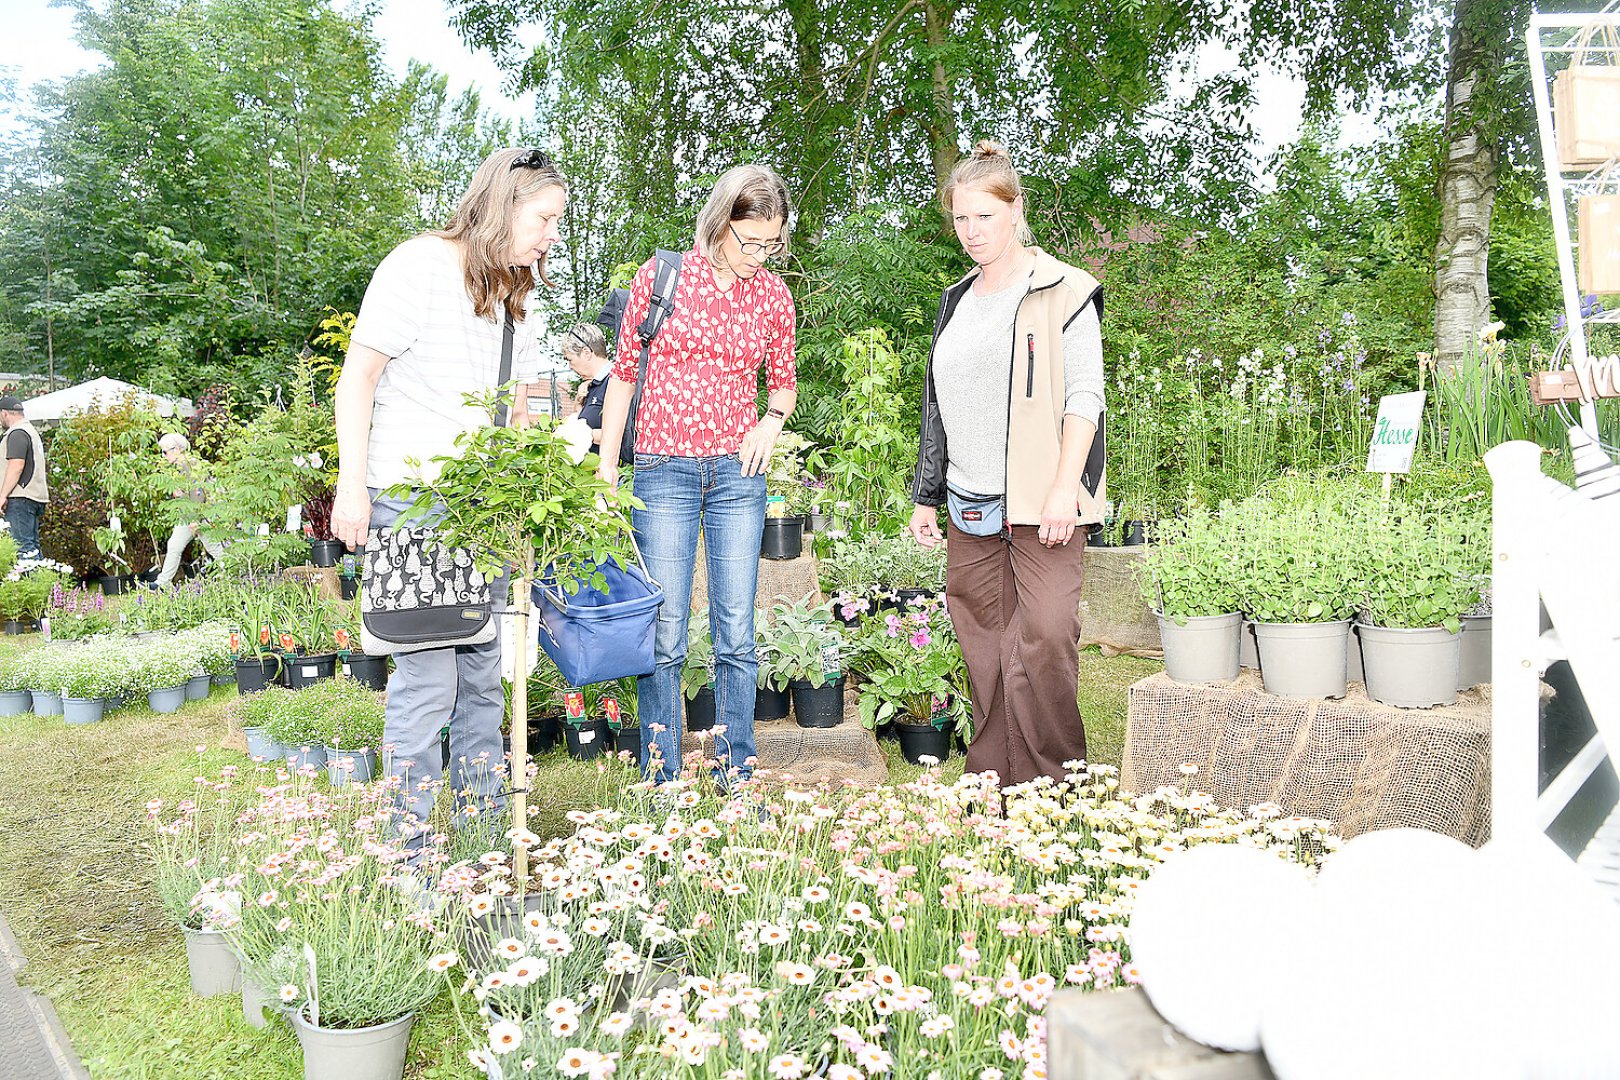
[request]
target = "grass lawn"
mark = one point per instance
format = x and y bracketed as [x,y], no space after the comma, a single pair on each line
[75,882]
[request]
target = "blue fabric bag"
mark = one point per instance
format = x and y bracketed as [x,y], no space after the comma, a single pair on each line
[596,636]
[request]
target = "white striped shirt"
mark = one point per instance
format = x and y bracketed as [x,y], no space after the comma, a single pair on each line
[417,313]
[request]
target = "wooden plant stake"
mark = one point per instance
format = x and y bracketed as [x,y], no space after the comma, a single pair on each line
[520,717]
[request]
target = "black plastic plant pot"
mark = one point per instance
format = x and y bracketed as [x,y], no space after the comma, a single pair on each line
[149,576]
[627,740]
[369,671]
[906,596]
[114,584]
[588,740]
[543,733]
[325,552]
[19,626]
[783,538]
[305,671]
[1135,534]
[771,704]
[1099,538]
[348,587]
[818,706]
[700,710]
[254,675]
[918,741]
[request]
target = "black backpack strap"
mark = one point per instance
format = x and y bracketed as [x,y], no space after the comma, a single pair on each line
[666,279]
[506,368]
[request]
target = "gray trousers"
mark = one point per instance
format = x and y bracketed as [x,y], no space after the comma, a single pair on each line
[459,688]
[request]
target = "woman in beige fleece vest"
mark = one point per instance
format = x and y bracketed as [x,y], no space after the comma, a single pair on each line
[1011,442]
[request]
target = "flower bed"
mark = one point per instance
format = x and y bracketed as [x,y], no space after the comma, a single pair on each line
[823,934]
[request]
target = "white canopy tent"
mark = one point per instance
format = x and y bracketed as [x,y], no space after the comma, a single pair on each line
[48,408]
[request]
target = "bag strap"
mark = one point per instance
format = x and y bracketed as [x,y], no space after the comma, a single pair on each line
[507,332]
[666,279]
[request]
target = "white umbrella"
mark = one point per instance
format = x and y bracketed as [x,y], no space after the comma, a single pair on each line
[103,392]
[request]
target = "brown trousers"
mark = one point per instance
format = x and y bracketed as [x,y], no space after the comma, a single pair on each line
[1016,608]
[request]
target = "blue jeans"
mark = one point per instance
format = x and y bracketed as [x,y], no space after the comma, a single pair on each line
[682,495]
[23,516]
[458,687]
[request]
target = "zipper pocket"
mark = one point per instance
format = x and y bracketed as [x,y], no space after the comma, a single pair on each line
[1029,379]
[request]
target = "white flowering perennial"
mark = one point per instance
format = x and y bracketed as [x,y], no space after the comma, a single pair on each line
[911,931]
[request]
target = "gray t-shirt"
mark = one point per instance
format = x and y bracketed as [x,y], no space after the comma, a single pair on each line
[972,369]
[417,312]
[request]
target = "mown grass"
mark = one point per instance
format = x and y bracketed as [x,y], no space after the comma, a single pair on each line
[75,882]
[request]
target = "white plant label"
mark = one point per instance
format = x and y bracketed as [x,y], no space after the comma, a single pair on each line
[295,515]
[587,737]
[1395,434]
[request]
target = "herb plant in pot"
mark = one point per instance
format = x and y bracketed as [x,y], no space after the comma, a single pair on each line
[1186,578]
[1299,581]
[771,697]
[810,655]
[697,674]
[1419,585]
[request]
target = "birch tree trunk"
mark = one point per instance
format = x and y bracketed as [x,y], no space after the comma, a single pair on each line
[1467,190]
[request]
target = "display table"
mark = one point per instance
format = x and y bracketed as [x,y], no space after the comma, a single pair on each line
[1361,765]
[792,756]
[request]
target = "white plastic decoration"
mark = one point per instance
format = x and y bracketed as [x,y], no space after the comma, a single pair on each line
[1203,932]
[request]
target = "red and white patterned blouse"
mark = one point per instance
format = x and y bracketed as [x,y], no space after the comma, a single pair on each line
[702,388]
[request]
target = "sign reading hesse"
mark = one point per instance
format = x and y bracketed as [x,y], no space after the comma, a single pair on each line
[1395,435]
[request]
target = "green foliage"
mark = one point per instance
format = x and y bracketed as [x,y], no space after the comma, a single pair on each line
[1425,569]
[1302,552]
[872,455]
[99,463]
[8,554]
[512,491]
[808,644]
[699,669]
[1184,572]
[912,670]
[1485,401]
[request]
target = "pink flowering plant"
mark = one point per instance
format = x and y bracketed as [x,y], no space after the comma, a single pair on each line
[909,931]
[911,669]
[191,844]
[331,911]
[77,613]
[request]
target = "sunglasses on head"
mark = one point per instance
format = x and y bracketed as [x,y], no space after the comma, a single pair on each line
[532,159]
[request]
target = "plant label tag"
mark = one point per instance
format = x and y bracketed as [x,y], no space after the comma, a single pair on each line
[294,515]
[830,661]
[347,670]
[574,702]
[1395,434]
[587,737]
[611,707]
[236,642]
[308,672]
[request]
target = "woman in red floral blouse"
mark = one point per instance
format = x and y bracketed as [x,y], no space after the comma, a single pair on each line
[702,448]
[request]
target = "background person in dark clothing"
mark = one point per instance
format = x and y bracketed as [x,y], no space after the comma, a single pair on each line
[23,493]
[585,349]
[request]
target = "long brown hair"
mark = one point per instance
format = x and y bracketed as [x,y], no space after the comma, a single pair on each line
[482,229]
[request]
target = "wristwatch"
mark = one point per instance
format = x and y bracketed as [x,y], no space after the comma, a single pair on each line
[778,413]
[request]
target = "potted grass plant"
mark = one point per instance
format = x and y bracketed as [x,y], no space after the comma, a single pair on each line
[1185,576]
[810,655]
[1299,579]
[697,674]
[1422,578]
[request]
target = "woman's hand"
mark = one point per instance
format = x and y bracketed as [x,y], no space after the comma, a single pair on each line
[351,516]
[757,446]
[924,526]
[608,471]
[1060,515]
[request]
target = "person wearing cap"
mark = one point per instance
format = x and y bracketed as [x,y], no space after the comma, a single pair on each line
[176,451]
[23,493]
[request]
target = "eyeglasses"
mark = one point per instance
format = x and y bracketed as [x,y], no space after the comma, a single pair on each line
[532,159]
[770,248]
